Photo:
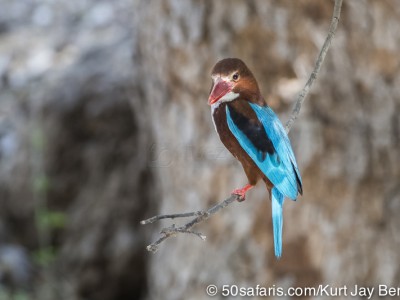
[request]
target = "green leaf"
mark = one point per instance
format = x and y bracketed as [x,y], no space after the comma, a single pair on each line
[45,256]
[51,219]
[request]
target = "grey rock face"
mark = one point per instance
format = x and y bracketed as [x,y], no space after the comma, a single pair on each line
[342,231]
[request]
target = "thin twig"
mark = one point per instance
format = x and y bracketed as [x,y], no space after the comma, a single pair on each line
[201,216]
[304,92]
[172,216]
[172,231]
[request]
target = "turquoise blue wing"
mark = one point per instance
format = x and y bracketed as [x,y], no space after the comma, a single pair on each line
[280,165]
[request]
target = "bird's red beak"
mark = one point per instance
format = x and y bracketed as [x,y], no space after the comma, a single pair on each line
[220,88]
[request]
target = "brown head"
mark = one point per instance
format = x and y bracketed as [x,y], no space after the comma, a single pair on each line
[231,80]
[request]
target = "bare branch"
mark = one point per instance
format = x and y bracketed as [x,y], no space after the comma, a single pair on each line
[304,92]
[173,230]
[201,216]
[172,216]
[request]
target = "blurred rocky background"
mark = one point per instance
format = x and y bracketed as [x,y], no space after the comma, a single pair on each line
[104,122]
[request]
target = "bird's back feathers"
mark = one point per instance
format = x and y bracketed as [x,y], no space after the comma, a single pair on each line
[279,165]
[265,141]
[281,142]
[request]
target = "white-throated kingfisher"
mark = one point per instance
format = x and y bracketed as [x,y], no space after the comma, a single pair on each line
[252,132]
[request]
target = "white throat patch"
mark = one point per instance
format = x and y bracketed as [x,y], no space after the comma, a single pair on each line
[226,98]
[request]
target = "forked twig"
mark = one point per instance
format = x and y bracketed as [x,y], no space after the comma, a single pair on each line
[201,216]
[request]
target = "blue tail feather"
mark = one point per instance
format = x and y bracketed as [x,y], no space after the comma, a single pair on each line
[277,220]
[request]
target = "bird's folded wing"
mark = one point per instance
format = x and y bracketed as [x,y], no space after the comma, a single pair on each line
[279,165]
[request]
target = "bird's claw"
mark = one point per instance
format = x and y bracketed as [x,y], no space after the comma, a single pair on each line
[241,193]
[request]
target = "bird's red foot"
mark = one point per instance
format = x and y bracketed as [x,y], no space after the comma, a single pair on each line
[242,192]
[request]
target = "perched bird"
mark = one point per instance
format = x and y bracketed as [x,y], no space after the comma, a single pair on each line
[252,132]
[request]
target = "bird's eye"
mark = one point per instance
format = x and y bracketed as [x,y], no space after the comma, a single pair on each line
[235,76]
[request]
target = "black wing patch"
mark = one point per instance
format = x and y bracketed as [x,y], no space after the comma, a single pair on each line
[254,131]
[298,180]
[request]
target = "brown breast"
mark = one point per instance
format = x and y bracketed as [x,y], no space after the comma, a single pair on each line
[228,139]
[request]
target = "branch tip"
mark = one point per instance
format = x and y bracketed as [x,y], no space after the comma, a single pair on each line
[317,67]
